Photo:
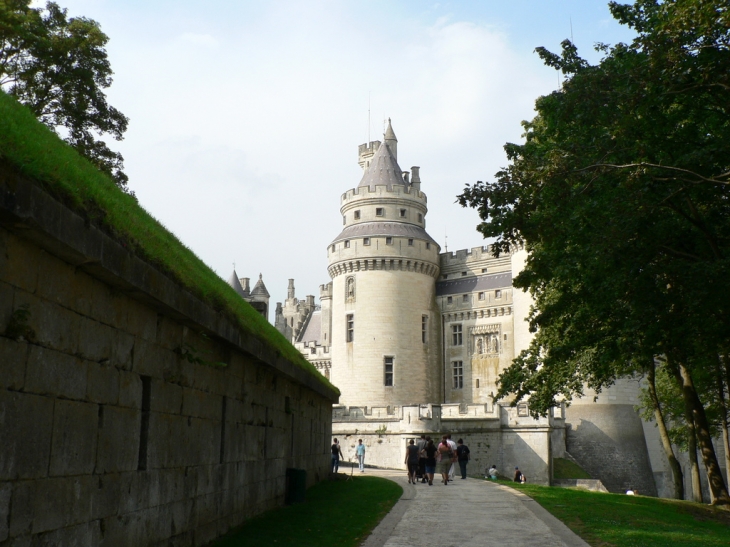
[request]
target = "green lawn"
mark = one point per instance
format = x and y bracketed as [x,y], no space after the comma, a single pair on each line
[340,513]
[617,520]
[566,469]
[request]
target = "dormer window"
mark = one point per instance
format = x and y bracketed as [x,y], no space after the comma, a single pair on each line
[379,212]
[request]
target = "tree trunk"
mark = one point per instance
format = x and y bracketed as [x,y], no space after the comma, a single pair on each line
[724,386]
[694,467]
[677,475]
[707,450]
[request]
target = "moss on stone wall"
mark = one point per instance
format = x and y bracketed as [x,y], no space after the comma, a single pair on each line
[33,151]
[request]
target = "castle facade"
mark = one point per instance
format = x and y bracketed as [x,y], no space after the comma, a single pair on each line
[415,339]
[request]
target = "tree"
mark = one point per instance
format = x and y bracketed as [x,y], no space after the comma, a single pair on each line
[58,67]
[621,196]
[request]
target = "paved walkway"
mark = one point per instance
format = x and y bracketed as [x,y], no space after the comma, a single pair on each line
[466,513]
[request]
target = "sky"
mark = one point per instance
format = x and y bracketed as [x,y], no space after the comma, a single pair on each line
[245,116]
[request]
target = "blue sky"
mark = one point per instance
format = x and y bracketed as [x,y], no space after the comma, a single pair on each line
[246,116]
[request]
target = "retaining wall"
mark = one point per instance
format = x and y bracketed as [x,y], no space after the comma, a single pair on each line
[118,426]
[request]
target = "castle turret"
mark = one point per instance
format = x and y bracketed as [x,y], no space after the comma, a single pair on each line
[391,141]
[385,323]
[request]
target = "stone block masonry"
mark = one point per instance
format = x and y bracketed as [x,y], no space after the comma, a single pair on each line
[109,436]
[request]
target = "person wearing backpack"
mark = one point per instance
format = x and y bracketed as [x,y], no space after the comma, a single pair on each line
[462,455]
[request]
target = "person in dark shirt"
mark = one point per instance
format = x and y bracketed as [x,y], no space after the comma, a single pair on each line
[430,452]
[412,461]
[462,455]
[336,455]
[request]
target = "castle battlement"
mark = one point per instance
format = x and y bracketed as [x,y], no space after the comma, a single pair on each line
[395,191]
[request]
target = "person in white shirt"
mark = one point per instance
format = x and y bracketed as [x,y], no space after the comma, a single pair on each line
[452,446]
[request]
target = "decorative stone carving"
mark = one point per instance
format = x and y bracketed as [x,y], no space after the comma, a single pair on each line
[485,340]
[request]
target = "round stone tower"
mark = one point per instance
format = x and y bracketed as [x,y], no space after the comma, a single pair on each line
[385,322]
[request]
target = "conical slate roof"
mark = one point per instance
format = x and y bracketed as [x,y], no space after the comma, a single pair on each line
[389,133]
[383,170]
[260,289]
[236,284]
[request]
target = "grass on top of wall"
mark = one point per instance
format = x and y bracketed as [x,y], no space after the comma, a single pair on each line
[566,469]
[608,520]
[35,152]
[338,513]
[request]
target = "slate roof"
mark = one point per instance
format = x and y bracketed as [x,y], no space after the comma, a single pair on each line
[313,330]
[260,289]
[383,170]
[236,284]
[375,229]
[478,283]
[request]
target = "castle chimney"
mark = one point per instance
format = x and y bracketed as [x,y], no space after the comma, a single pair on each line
[310,300]
[290,290]
[245,283]
[416,175]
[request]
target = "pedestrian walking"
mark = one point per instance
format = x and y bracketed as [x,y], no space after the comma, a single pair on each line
[431,452]
[360,451]
[412,461]
[462,456]
[452,446]
[336,455]
[444,457]
[421,444]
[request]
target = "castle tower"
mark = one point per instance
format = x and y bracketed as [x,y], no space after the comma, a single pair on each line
[385,323]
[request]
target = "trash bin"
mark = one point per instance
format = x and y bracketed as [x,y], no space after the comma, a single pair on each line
[296,485]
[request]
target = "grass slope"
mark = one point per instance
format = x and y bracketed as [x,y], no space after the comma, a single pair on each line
[566,469]
[341,513]
[34,151]
[617,520]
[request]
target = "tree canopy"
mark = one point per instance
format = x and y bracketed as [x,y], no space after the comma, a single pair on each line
[58,67]
[620,194]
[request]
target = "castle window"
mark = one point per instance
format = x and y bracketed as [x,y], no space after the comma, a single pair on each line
[388,362]
[465,298]
[428,245]
[410,242]
[350,330]
[347,244]
[449,300]
[424,328]
[420,217]
[357,215]
[481,296]
[366,241]
[334,248]
[505,337]
[389,241]
[484,270]
[463,274]
[458,373]
[344,219]
[403,213]
[497,294]
[477,383]
[313,351]
[379,212]
[456,339]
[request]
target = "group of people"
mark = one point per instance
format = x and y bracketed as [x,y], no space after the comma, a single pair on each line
[337,455]
[424,458]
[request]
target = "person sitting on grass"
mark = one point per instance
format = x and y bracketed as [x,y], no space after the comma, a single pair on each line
[492,472]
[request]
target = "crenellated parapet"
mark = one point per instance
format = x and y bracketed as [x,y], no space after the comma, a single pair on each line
[383,264]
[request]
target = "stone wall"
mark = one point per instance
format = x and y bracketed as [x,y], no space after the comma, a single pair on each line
[130,412]
[499,435]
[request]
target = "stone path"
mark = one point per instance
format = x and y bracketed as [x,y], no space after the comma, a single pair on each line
[466,513]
